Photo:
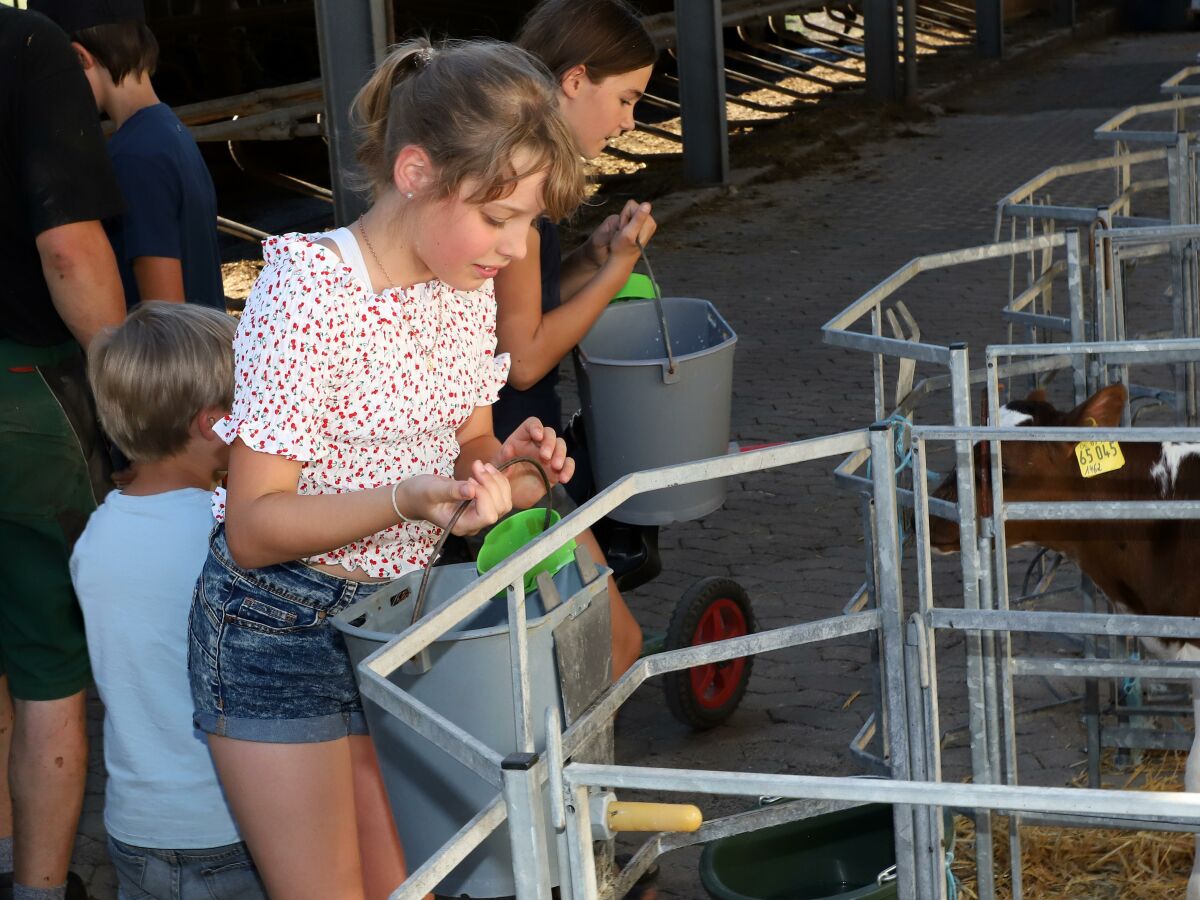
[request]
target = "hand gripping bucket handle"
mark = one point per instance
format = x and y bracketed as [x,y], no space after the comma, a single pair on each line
[419,604]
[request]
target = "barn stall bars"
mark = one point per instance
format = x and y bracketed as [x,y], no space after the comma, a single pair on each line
[1114,254]
[578,792]
[1183,200]
[1041,206]
[1101,316]
[1132,147]
[851,329]
[999,618]
[518,787]
[991,727]
[1034,201]
[828,50]
[860,327]
[748,44]
[1117,251]
[1178,86]
[1147,166]
[1174,135]
[1164,161]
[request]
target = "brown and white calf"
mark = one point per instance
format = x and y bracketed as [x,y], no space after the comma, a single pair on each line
[1144,567]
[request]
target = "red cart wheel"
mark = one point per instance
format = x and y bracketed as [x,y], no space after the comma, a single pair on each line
[712,610]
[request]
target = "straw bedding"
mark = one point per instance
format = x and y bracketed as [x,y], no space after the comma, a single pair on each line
[1085,863]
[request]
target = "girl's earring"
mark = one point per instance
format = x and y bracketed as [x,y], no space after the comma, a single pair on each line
[408,195]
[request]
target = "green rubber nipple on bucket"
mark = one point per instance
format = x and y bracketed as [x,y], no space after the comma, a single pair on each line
[638,287]
[510,535]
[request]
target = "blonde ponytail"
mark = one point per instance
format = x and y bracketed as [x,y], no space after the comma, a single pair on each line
[474,106]
[369,111]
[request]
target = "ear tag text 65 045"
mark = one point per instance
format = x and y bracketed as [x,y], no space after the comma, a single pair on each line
[1097,457]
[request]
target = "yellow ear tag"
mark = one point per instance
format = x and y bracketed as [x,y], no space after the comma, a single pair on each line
[1097,457]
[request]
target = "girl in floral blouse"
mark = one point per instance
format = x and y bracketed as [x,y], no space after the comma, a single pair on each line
[365,370]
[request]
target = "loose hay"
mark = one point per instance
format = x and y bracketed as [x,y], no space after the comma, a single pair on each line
[238,278]
[1088,863]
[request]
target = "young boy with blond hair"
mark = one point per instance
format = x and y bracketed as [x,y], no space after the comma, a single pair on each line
[161,379]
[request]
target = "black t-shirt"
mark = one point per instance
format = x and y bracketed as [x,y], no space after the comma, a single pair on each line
[54,169]
[541,400]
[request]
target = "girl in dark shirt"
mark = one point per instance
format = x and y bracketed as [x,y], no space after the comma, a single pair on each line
[602,57]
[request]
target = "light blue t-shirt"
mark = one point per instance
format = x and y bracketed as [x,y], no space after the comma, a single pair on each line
[134,569]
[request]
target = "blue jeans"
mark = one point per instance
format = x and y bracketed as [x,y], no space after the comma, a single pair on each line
[266,663]
[216,873]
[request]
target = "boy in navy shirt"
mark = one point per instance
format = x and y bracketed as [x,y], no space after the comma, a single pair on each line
[166,241]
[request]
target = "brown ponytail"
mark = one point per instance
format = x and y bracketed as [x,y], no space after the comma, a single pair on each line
[607,37]
[474,106]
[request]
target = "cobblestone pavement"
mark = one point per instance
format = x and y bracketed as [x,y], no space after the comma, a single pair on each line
[779,259]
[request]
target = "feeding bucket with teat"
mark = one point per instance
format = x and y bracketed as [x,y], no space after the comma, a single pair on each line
[466,676]
[656,381]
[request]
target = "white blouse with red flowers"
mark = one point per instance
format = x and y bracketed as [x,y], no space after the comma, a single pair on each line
[363,389]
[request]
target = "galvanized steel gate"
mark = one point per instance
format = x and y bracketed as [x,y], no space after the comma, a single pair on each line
[1098,350]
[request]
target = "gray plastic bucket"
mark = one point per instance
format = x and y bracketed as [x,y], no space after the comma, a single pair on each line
[468,681]
[639,416]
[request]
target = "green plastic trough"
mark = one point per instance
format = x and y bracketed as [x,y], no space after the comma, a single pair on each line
[837,856]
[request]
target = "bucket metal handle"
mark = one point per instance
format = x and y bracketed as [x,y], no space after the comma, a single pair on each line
[670,375]
[419,603]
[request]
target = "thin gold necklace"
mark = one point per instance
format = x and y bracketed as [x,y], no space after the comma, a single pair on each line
[430,360]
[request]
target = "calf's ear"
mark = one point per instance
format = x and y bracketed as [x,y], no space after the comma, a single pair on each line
[1038,396]
[1101,410]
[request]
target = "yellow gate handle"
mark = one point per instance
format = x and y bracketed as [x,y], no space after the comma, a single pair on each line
[653,816]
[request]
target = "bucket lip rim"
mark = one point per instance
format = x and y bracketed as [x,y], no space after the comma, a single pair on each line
[662,360]
[342,624]
[450,637]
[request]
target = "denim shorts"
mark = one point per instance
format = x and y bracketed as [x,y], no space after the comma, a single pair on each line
[218,873]
[266,664]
